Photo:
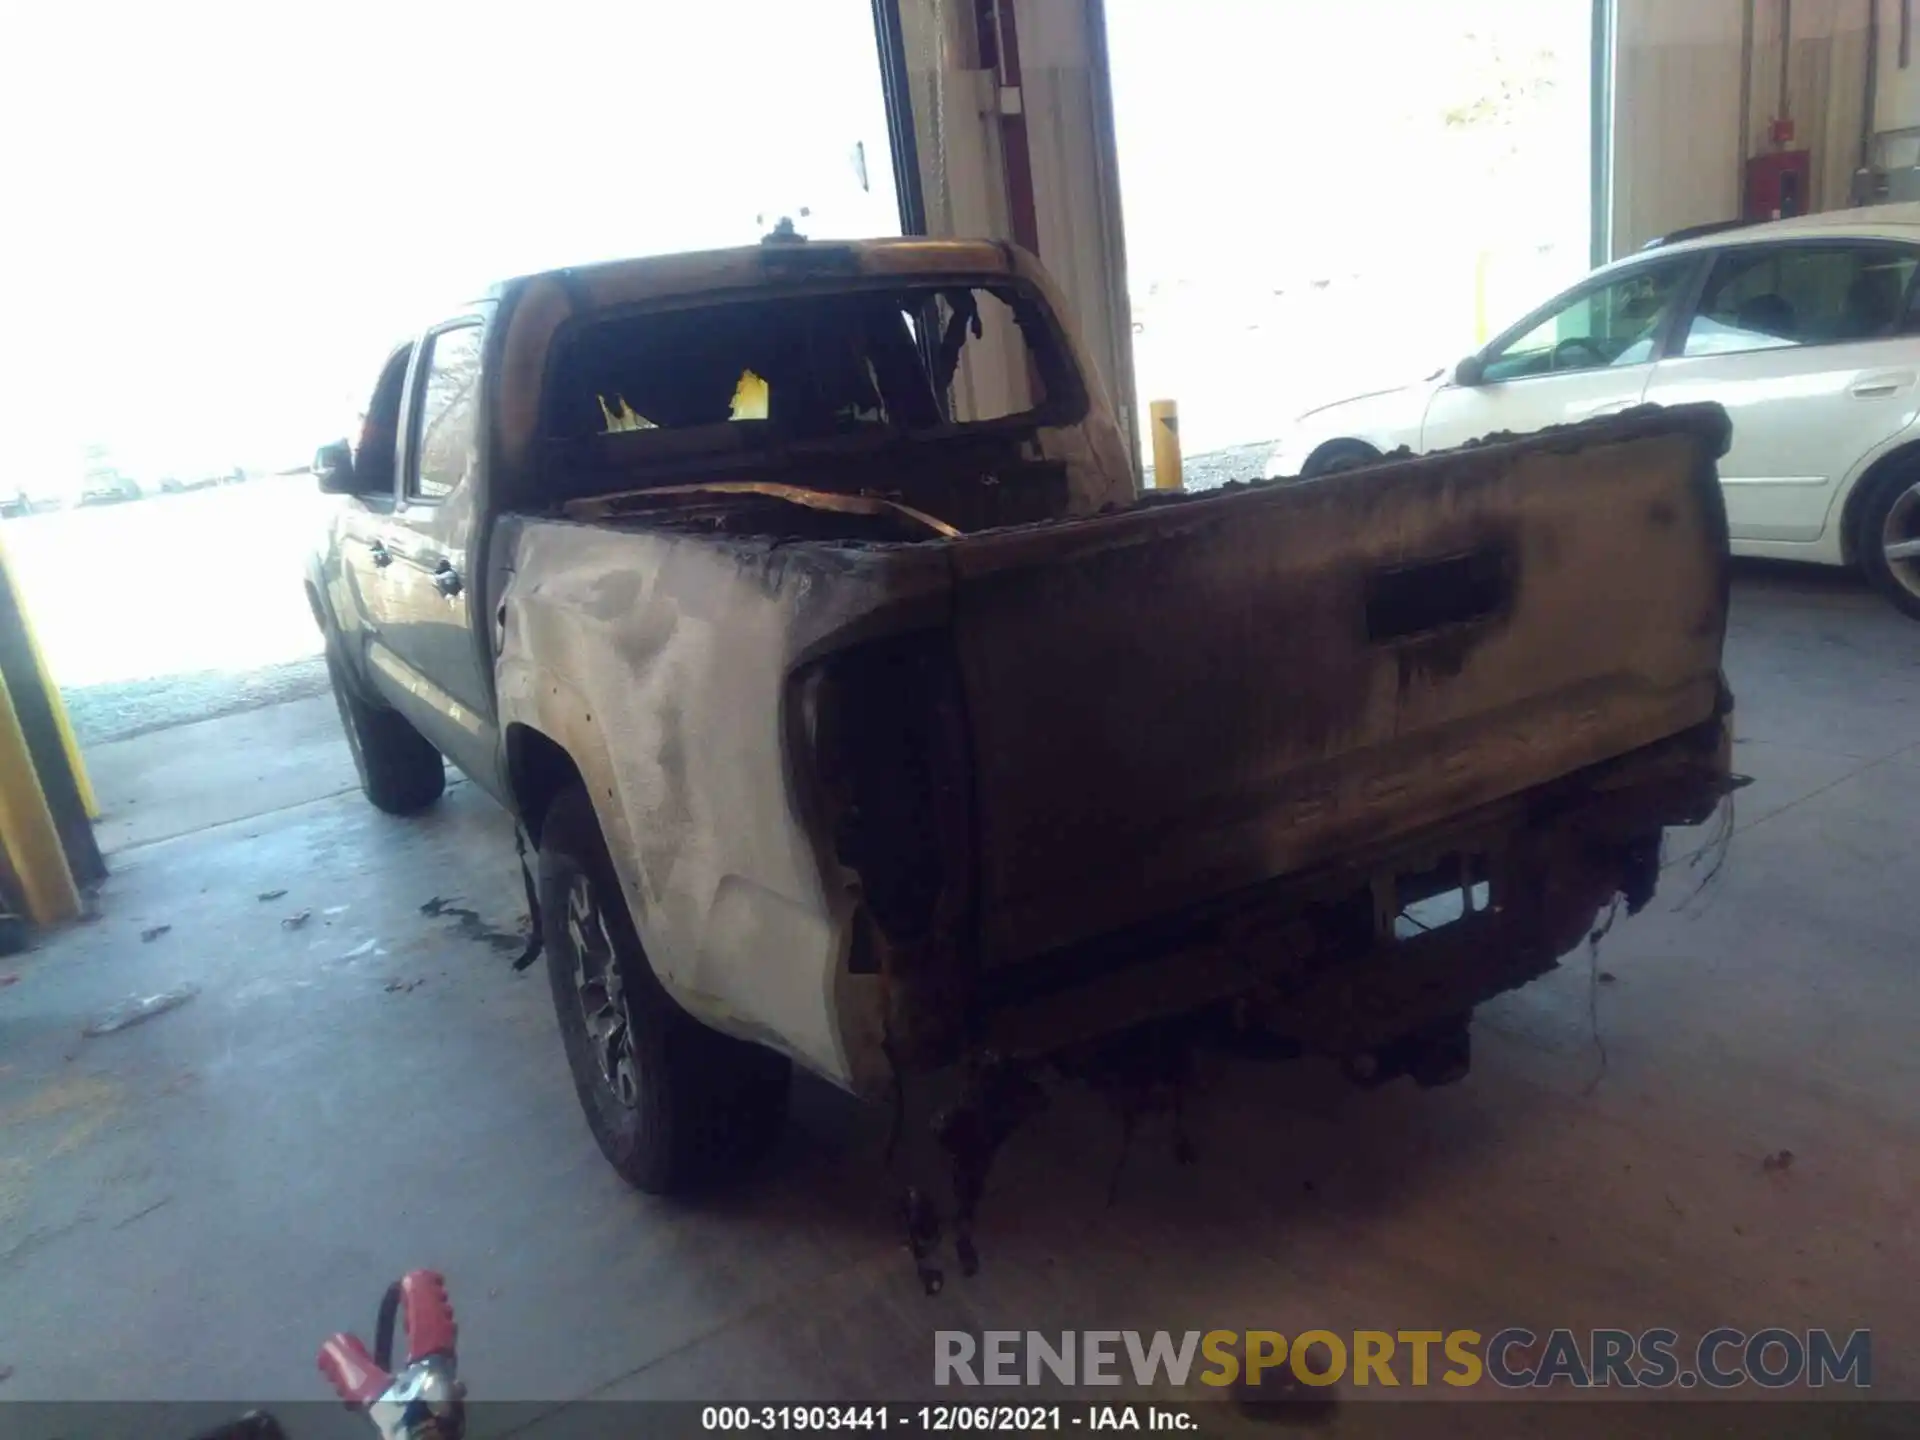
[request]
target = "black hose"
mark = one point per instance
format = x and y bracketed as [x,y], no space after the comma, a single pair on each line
[383,1327]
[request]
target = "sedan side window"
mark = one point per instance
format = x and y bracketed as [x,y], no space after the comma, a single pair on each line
[1615,323]
[1775,296]
[447,429]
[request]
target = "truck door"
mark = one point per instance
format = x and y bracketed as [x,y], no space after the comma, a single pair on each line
[429,632]
[357,582]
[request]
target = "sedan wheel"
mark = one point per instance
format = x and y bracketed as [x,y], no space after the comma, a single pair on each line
[1337,456]
[1886,540]
[1900,539]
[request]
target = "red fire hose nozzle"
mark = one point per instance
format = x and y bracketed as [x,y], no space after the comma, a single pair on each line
[429,1315]
[352,1372]
[424,1398]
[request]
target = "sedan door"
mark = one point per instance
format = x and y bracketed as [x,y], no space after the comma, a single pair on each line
[1589,353]
[1810,348]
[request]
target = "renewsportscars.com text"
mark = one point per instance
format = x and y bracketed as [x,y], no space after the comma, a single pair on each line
[1513,1358]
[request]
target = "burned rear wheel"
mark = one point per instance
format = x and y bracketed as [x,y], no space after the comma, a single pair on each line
[671,1104]
[600,995]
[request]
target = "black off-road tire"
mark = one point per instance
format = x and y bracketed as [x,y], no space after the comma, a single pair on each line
[400,771]
[672,1104]
[1890,513]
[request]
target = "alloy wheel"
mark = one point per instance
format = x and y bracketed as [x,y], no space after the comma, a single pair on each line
[602,995]
[1900,538]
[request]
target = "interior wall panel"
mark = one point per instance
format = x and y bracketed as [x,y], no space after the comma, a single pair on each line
[1676,130]
[1897,86]
[1066,98]
[1680,139]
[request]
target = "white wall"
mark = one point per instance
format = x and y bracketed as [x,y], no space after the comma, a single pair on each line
[1676,102]
[1897,104]
[1069,108]
[1067,100]
[1826,88]
[1678,152]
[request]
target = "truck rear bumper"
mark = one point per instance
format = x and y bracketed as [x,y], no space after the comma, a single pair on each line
[1350,957]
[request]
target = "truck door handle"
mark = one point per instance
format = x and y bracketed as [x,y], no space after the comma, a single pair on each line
[446,579]
[1878,387]
[382,556]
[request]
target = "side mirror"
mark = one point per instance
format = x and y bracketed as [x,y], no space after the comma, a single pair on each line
[1470,371]
[333,468]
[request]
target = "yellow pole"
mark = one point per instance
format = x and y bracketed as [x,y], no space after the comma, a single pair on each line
[1164,424]
[68,741]
[27,829]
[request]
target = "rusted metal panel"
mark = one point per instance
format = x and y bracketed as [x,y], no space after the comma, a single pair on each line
[1184,699]
[1295,957]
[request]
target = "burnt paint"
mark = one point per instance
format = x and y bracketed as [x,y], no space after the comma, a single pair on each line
[1306,955]
[1258,726]
[1212,651]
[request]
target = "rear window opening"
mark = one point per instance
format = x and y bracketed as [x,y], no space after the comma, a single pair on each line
[899,360]
[1445,895]
[1436,912]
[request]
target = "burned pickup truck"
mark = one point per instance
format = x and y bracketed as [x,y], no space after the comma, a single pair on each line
[858,712]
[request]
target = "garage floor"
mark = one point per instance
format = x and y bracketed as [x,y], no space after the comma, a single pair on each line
[188,1206]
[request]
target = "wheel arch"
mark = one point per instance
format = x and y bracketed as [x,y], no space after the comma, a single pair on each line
[1900,457]
[539,768]
[1326,448]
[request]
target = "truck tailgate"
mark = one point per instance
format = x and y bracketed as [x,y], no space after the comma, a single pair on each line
[1193,696]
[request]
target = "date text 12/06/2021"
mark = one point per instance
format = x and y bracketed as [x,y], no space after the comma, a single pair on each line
[942,1419]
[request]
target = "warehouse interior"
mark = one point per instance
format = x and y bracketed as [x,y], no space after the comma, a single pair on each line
[267,1049]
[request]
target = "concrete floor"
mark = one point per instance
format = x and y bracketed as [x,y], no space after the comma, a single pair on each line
[371,1090]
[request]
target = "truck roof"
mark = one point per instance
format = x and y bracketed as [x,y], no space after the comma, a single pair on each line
[776,260]
[529,313]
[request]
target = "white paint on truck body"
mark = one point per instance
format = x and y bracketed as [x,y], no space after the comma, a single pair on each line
[660,663]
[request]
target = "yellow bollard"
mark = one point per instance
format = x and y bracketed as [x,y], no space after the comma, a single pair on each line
[67,740]
[27,830]
[1164,425]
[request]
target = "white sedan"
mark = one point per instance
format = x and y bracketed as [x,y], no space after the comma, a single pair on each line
[1806,330]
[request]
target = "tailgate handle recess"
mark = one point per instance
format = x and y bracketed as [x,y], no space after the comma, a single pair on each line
[1409,600]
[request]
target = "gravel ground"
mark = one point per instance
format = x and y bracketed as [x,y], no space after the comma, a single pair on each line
[116,711]
[1217,467]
